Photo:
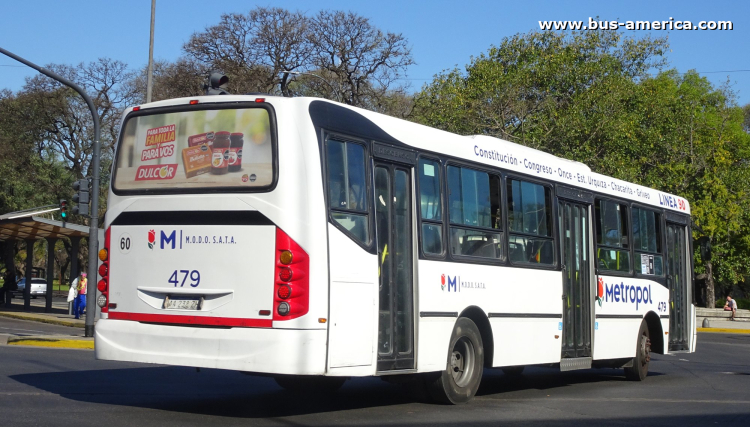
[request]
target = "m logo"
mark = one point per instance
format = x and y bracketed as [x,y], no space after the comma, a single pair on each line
[172,238]
[452,283]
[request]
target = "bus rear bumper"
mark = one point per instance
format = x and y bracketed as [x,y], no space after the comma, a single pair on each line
[263,350]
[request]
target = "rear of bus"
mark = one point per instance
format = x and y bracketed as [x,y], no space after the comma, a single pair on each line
[214,252]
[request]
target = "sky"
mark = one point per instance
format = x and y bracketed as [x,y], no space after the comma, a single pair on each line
[443,34]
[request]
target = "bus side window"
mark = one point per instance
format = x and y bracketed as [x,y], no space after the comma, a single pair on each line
[430,206]
[612,246]
[647,242]
[475,213]
[347,187]
[530,239]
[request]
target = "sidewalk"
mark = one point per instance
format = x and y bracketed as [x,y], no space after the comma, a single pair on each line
[57,316]
[36,314]
[740,326]
[718,320]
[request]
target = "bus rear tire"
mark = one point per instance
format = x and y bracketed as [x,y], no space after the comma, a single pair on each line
[639,370]
[309,383]
[459,382]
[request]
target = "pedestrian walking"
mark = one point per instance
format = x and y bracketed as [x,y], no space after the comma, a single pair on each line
[79,307]
[73,291]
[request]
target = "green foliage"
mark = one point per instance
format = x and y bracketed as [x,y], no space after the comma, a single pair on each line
[588,97]
[30,173]
[742,303]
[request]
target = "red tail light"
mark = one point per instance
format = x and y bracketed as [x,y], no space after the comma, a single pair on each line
[104,273]
[292,288]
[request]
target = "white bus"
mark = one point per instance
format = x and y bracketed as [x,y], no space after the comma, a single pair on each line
[313,241]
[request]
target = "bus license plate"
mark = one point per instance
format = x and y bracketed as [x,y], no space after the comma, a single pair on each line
[181,304]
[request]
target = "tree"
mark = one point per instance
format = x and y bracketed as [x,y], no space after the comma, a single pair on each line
[335,55]
[746,122]
[255,49]
[66,125]
[182,78]
[514,91]
[363,62]
[31,174]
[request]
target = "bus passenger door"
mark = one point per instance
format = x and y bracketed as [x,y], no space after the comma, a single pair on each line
[577,289]
[677,281]
[393,229]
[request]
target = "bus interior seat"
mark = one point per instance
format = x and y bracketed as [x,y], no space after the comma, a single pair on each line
[516,252]
[431,241]
[482,248]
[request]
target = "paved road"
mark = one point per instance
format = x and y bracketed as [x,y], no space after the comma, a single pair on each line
[40,386]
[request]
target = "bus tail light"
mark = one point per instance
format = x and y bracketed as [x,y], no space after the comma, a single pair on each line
[291,298]
[103,299]
[284,292]
[285,274]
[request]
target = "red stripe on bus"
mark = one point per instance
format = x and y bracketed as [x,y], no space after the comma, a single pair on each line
[192,320]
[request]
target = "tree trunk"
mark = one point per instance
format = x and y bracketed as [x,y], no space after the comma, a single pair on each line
[710,289]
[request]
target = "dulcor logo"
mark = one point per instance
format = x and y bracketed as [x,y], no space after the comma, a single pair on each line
[151,239]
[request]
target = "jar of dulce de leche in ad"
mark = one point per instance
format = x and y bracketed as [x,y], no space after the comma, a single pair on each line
[235,152]
[220,153]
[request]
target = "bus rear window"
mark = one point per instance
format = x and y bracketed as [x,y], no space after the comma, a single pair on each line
[196,150]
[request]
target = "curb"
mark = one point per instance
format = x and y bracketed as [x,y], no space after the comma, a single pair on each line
[52,321]
[724,330]
[52,342]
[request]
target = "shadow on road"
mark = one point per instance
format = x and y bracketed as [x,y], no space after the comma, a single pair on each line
[494,381]
[231,394]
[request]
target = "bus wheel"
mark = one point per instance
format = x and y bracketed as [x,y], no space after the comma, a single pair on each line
[639,370]
[460,381]
[309,383]
[513,371]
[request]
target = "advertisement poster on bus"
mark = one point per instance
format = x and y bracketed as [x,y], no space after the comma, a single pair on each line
[196,149]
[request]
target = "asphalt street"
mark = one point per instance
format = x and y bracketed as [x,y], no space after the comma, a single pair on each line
[43,386]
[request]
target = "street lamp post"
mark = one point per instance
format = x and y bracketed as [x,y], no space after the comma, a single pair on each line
[95,165]
[150,77]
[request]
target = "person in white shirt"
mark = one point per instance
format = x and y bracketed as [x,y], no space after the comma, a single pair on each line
[731,305]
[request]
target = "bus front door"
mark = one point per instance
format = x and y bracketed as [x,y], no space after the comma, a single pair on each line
[577,289]
[393,228]
[679,303]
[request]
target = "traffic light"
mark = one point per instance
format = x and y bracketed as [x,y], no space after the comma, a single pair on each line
[81,197]
[217,84]
[64,210]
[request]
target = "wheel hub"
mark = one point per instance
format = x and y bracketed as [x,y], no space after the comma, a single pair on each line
[645,350]
[462,362]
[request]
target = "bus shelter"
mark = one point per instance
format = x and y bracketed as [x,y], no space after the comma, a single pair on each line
[31,228]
